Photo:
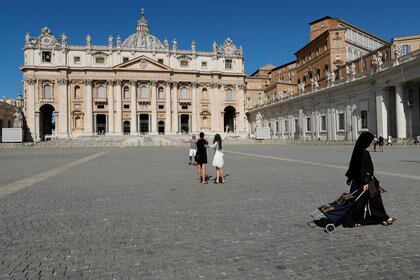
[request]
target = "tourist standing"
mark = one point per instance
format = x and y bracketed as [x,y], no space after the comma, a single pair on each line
[381,142]
[218,159]
[201,158]
[390,141]
[367,210]
[193,148]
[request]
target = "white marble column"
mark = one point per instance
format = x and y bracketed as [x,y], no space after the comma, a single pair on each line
[111,117]
[241,108]
[88,129]
[329,130]
[168,123]
[214,108]
[382,99]
[401,119]
[194,108]
[62,108]
[118,105]
[31,96]
[354,128]
[133,108]
[153,122]
[175,127]
[333,124]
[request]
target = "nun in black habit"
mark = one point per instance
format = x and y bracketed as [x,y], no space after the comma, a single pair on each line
[367,210]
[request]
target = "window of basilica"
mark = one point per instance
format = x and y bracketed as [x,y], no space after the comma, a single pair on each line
[47,94]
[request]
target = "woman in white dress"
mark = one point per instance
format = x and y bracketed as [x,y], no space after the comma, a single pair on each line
[218,159]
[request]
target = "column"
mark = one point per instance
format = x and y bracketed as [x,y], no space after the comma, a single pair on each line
[317,125]
[214,108]
[168,96]
[401,119]
[133,108]
[111,118]
[329,135]
[194,108]
[382,99]
[89,108]
[240,105]
[153,122]
[62,108]
[37,128]
[118,113]
[334,124]
[30,99]
[354,128]
[175,121]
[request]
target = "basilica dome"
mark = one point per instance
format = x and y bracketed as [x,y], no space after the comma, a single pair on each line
[142,38]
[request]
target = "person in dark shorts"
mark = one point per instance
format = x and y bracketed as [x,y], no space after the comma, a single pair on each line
[201,158]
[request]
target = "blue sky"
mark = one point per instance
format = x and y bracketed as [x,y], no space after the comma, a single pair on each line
[269,31]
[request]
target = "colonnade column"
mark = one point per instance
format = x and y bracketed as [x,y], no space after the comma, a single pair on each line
[154,108]
[133,108]
[329,134]
[354,128]
[382,99]
[118,113]
[89,110]
[194,107]
[111,117]
[175,127]
[401,119]
[168,123]
[62,108]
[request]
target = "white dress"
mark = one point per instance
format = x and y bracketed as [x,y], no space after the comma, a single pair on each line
[218,156]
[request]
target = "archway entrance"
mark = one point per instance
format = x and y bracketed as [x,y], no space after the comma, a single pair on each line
[144,123]
[126,128]
[185,123]
[161,127]
[101,124]
[229,119]
[46,120]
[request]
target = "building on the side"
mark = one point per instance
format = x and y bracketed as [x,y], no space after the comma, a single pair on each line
[333,42]
[134,86]
[8,109]
[376,89]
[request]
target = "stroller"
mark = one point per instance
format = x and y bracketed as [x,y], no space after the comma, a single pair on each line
[331,215]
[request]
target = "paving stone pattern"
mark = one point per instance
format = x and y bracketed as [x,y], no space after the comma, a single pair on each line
[138,213]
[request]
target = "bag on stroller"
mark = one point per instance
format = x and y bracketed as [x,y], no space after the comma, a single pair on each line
[331,215]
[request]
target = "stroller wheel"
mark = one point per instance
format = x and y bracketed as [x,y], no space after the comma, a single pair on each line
[330,228]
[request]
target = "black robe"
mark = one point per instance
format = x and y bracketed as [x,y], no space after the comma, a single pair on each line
[359,213]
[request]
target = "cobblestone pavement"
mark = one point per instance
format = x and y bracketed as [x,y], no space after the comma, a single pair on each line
[138,213]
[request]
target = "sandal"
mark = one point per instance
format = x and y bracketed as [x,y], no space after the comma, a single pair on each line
[357,225]
[390,221]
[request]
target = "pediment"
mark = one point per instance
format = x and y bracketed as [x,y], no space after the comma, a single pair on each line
[142,63]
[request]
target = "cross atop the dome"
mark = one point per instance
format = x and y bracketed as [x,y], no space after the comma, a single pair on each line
[142,25]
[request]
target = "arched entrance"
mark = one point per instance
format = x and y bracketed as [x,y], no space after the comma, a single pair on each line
[185,123]
[101,124]
[46,120]
[161,127]
[229,119]
[144,123]
[126,128]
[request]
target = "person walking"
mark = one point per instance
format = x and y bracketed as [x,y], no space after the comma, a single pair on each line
[201,158]
[390,141]
[375,143]
[381,142]
[218,159]
[367,210]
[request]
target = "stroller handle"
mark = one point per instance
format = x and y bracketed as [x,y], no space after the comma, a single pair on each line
[359,194]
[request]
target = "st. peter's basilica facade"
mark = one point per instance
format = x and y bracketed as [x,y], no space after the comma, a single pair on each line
[139,85]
